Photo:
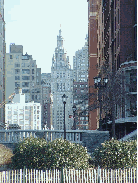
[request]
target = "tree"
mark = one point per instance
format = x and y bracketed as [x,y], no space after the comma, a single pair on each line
[116,154]
[36,153]
[5,155]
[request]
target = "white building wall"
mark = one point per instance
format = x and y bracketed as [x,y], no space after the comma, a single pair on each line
[26,115]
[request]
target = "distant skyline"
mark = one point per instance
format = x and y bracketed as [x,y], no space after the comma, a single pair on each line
[36,24]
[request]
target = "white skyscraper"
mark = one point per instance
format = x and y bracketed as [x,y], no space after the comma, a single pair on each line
[2,64]
[61,83]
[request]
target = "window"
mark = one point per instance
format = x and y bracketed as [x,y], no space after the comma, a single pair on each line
[37,107]
[23,64]
[11,56]
[57,75]
[82,75]
[32,71]
[17,77]
[26,91]
[25,71]
[37,74]
[25,77]
[32,77]
[118,15]
[17,65]
[17,84]
[25,84]
[17,71]
[32,97]
[115,23]
[133,80]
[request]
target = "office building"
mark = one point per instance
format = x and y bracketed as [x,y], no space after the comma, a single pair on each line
[26,115]
[61,83]
[2,64]
[80,86]
[21,72]
[46,100]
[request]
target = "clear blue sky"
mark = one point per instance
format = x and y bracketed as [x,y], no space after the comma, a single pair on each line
[35,25]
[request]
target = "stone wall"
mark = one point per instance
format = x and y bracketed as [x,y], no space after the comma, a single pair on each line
[90,139]
[93,139]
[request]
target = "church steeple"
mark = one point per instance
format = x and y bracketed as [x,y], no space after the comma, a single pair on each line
[59,40]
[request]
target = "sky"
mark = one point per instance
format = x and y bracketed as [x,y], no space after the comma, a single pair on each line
[35,25]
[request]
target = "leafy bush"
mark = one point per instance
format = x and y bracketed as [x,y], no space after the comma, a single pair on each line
[29,153]
[5,155]
[67,154]
[36,153]
[116,154]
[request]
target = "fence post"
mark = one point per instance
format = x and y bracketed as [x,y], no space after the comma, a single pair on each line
[62,175]
[98,175]
[24,174]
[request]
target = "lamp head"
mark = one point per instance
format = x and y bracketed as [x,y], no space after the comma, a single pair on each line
[64,98]
[74,108]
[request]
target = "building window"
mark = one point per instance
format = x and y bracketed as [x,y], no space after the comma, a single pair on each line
[25,84]
[26,91]
[17,84]
[17,77]
[32,97]
[17,65]
[25,71]
[17,71]
[32,71]
[25,77]
[118,15]
[32,77]
[11,56]
[133,81]
[23,64]
[115,23]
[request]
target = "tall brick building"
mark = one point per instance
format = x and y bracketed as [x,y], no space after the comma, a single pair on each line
[117,54]
[92,71]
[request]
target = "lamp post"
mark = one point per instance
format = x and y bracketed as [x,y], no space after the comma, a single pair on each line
[99,84]
[64,99]
[74,110]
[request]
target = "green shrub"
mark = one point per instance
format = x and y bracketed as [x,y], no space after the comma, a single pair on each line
[5,155]
[67,154]
[36,153]
[115,154]
[29,153]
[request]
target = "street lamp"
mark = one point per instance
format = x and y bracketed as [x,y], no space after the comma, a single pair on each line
[99,83]
[64,99]
[74,110]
